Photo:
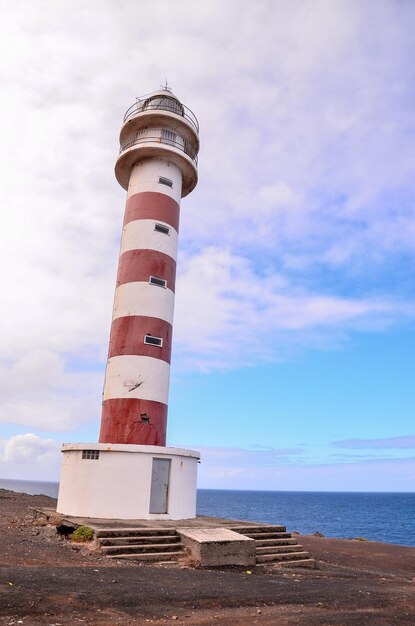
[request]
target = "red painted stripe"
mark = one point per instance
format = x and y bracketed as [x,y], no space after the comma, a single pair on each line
[127,337]
[152,205]
[139,265]
[121,422]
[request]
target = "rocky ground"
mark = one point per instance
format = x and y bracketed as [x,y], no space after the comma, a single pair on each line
[45,579]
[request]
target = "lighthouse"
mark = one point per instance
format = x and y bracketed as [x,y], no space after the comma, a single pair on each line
[130,473]
[157,166]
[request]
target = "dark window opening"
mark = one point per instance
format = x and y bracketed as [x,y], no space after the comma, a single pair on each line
[153,341]
[161,228]
[165,181]
[160,282]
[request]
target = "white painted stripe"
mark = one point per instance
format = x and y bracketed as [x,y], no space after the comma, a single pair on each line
[140,235]
[141,377]
[141,298]
[145,177]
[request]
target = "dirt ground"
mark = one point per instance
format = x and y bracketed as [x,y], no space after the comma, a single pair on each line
[48,580]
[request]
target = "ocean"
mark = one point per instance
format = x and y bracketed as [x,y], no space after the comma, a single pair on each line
[387,517]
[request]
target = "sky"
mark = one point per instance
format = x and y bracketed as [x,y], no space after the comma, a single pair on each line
[293,346]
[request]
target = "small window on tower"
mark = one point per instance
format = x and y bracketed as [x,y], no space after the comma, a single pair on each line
[161,228]
[165,181]
[153,341]
[160,282]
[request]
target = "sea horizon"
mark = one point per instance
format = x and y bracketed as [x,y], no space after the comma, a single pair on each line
[54,482]
[388,517]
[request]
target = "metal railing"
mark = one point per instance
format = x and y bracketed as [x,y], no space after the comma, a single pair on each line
[160,135]
[163,104]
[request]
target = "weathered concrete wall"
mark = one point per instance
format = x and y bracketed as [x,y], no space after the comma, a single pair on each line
[118,484]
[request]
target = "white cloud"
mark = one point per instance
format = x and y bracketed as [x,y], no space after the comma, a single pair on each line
[223,468]
[28,448]
[36,391]
[387,443]
[227,313]
[29,457]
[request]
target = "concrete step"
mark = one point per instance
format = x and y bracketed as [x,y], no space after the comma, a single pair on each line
[276,535]
[153,556]
[259,536]
[275,542]
[278,549]
[115,541]
[143,549]
[133,532]
[259,529]
[299,563]
[286,556]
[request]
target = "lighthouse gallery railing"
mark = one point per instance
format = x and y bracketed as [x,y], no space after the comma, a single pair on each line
[160,135]
[165,105]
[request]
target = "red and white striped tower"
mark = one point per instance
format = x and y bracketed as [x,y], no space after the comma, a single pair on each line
[157,165]
[130,473]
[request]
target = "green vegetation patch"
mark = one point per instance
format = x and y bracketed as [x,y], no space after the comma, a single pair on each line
[82,533]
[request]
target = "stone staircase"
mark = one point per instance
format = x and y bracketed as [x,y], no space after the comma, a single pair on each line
[140,544]
[275,546]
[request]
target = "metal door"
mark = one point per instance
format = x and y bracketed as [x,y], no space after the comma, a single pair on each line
[159,485]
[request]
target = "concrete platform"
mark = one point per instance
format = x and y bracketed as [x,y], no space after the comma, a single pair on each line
[207,541]
[218,546]
[201,521]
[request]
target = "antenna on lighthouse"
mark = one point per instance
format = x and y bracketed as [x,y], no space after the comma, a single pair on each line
[166,86]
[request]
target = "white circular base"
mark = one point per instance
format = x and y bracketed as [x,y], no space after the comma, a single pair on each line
[114,481]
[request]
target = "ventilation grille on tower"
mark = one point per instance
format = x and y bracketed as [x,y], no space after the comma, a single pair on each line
[92,455]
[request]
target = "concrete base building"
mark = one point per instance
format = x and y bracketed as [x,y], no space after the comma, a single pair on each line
[131,472]
[128,482]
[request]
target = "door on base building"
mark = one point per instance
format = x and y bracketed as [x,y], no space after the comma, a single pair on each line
[159,485]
